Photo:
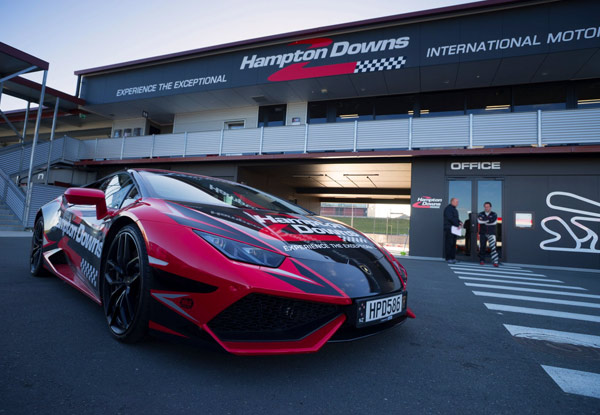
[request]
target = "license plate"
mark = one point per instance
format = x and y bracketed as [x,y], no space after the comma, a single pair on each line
[379,310]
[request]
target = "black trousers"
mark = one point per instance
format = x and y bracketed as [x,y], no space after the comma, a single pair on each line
[449,244]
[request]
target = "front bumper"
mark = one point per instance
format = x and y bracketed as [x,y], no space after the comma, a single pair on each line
[265,324]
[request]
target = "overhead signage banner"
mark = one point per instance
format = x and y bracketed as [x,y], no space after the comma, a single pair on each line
[531,30]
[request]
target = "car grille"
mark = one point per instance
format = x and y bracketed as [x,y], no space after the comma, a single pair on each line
[269,318]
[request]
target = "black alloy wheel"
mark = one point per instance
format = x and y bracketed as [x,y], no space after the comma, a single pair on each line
[125,285]
[36,258]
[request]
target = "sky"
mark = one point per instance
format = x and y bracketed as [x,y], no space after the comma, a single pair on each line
[73,35]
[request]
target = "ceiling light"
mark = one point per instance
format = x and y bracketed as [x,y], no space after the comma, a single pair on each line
[424,111]
[588,101]
[497,107]
[347,116]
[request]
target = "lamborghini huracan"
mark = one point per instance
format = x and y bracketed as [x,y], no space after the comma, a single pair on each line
[198,258]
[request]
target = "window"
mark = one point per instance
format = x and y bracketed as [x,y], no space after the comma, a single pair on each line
[355,109]
[131,197]
[201,190]
[540,97]
[127,132]
[137,132]
[271,115]
[115,189]
[488,101]
[235,125]
[117,133]
[317,112]
[394,107]
[588,94]
[442,104]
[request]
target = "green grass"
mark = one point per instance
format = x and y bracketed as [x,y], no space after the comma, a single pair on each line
[377,225]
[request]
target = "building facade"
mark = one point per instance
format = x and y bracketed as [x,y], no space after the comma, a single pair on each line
[491,101]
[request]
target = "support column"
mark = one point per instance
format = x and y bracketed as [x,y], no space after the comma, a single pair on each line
[52,138]
[35,139]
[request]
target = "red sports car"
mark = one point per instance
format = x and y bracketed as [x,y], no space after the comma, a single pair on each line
[199,258]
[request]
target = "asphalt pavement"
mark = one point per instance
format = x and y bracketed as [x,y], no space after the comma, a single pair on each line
[482,343]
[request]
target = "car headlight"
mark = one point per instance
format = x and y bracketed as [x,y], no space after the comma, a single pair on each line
[239,251]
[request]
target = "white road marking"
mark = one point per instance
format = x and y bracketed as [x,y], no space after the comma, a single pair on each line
[509,277]
[537,299]
[496,271]
[488,266]
[555,336]
[523,283]
[575,381]
[531,290]
[543,312]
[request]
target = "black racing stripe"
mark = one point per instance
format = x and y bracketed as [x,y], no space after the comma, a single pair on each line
[212,225]
[166,281]
[313,276]
[163,315]
[324,289]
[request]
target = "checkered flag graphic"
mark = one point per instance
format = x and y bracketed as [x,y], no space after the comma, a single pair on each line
[383,64]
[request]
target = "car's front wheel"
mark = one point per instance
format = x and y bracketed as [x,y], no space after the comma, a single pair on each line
[36,257]
[126,285]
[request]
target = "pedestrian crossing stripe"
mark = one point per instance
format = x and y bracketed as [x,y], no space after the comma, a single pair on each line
[575,381]
[532,290]
[554,336]
[537,299]
[542,312]
[509,277]
[495,271]
[570,287]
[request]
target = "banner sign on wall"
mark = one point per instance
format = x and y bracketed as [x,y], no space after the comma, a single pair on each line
[540,29]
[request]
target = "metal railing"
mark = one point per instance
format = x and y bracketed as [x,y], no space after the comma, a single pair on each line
[14,160]
[581,126]
[541,128]
[11,195]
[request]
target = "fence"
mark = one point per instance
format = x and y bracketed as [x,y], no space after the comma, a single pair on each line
[539,128]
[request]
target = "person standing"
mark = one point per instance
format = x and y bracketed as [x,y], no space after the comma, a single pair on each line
[450,220]
[487,233]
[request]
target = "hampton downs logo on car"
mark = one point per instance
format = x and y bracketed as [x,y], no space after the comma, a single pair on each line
[427,202]
[293,65]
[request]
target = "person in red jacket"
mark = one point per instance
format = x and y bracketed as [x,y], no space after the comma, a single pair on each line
[487,233]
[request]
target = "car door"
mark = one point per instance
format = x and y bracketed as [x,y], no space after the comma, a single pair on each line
[87,233]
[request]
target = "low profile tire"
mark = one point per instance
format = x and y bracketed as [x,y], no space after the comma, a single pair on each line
[36,257]
[126,281]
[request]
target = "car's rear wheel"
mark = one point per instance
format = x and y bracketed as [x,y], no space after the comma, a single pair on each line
[36,257]
[126,285]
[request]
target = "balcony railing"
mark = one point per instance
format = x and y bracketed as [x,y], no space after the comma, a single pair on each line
[539,128]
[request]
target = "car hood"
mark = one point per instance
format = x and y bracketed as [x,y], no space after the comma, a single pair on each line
[333,250]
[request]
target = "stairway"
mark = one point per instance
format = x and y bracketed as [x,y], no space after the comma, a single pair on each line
[8,221]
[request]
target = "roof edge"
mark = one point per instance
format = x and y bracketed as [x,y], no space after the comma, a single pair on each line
[49,91]
[24,56]
[304,32]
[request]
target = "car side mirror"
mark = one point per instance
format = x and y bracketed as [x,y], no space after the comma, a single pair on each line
[84,196]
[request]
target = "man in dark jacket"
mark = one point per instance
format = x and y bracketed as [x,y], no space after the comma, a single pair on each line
[450,220]
[487,233]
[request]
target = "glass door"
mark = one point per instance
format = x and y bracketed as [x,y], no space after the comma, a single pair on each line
[490,191]
[463,191]
[472,193]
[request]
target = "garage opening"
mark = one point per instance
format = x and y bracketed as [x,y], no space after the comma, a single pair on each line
[371,196]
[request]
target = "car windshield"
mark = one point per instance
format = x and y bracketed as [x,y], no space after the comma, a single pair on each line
[189,188]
